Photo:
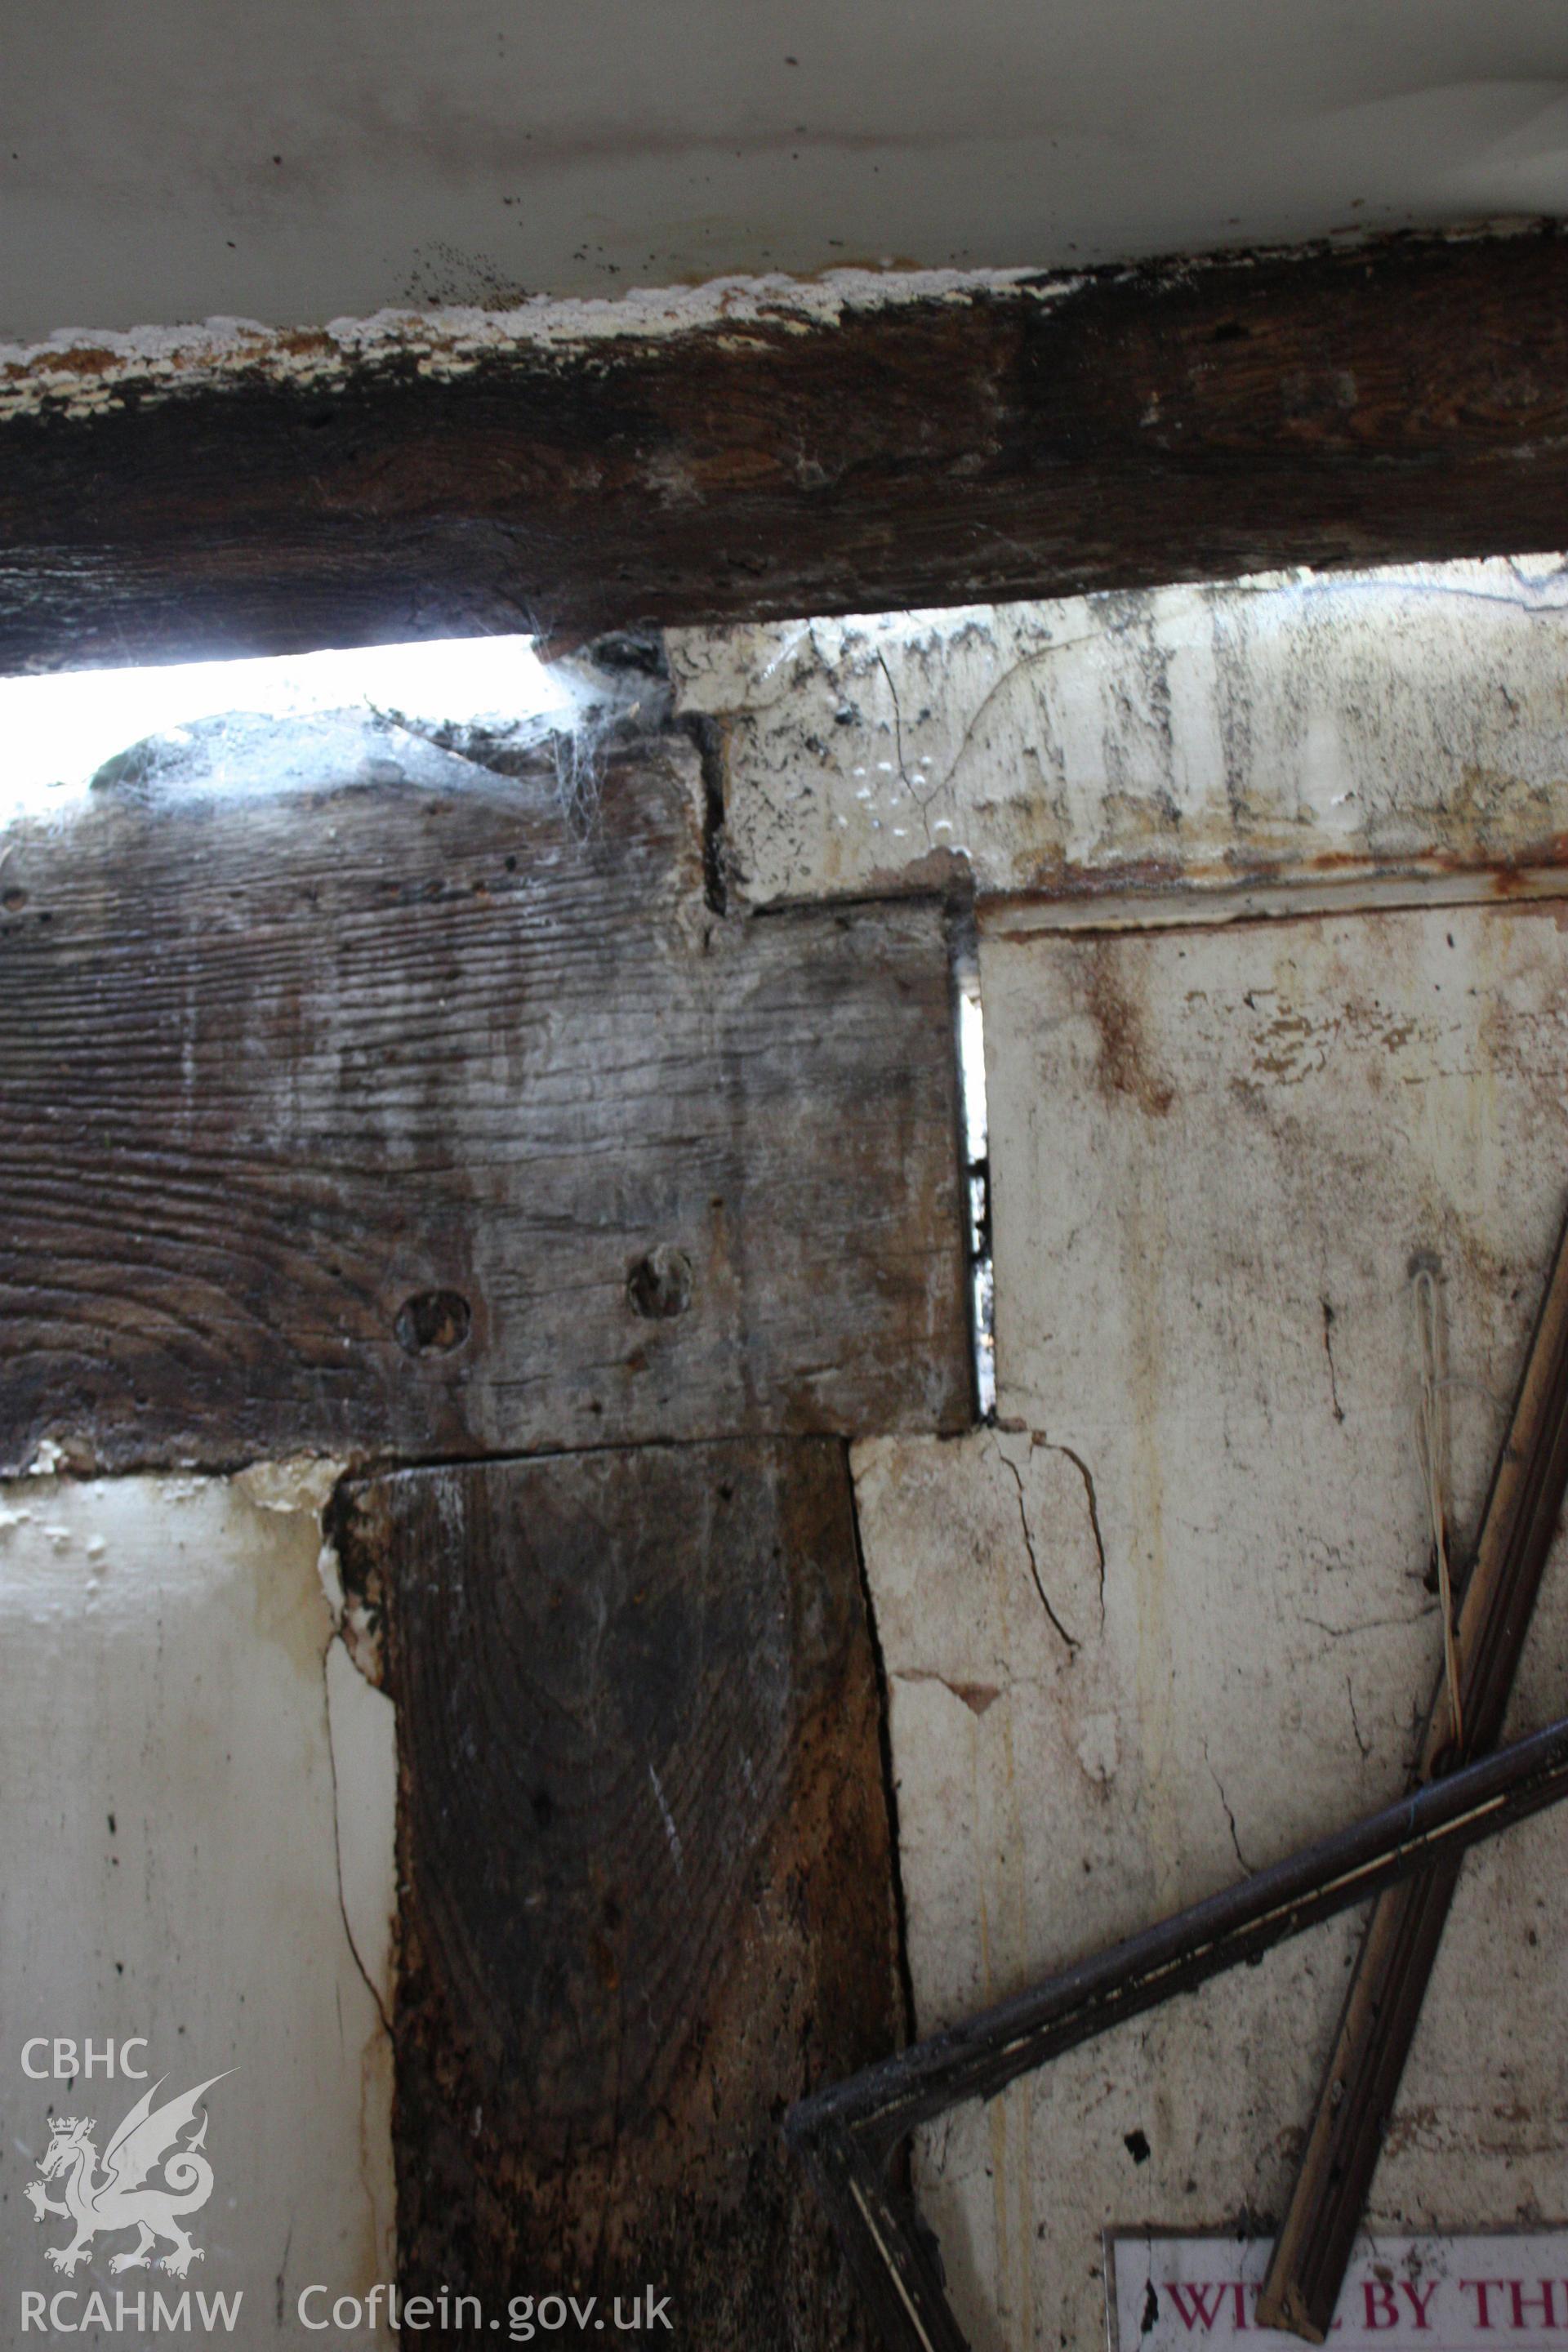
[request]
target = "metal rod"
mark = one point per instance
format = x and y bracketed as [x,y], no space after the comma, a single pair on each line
[1394,1967]
[847,2133]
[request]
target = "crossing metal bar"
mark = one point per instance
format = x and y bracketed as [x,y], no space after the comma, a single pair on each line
[848,2134]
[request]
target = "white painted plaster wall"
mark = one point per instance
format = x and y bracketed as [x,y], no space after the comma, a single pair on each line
[1214,1155]
[292,162]
[198,1812]
[1303,729]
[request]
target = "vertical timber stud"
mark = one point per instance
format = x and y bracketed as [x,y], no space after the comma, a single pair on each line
[1400,1947]
[646,1873]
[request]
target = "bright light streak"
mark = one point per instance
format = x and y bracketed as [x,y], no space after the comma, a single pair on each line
[57,732]
[971,1065]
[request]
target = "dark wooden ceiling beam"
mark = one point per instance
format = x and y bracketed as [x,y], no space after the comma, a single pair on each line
[1404,399]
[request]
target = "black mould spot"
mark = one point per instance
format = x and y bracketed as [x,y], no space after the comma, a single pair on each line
[1137,2146]
[433,1322]
[658,1286]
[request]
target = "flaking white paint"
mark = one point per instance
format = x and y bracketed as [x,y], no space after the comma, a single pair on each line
[79,373]
[198,1818]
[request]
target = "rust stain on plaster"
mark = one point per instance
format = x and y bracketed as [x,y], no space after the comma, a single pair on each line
[977,1697]
[1126,889]
[1125,1065]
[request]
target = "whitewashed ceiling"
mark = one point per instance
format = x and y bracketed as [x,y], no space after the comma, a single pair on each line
[291,162]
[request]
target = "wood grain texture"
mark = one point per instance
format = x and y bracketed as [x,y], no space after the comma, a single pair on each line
[1404,399]
[646,1865]
[403,1117]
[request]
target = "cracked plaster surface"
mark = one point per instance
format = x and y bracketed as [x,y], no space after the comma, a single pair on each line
[1216,1157]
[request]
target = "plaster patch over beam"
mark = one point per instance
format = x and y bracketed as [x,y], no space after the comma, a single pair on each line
[1122,757]
[769,450]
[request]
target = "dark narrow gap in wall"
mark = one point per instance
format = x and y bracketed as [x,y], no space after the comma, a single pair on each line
[707,735]
[885,1748]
